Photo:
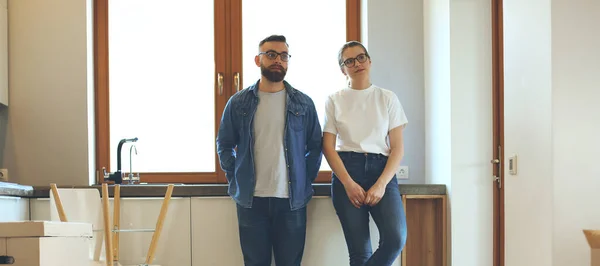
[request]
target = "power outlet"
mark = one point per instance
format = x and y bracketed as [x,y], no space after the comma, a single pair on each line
[4,175]
[402,172]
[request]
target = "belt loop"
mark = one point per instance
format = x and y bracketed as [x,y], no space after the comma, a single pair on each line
[366,163]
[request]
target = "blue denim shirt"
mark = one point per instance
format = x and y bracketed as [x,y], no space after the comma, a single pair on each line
[302,145]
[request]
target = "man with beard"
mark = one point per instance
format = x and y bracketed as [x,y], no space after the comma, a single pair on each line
[269,145]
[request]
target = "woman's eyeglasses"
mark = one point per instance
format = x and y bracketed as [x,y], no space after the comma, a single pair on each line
[350,62]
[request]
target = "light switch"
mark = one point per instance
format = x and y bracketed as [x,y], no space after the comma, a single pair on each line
[512,165]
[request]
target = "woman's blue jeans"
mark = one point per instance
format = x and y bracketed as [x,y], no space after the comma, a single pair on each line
[388,214]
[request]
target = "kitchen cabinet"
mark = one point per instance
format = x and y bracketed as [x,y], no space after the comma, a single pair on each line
[203,230]
[215,232]
[14,209]
[3,52]
[174,243]
[40,209]
[215,239]
[426,219]
[142,213]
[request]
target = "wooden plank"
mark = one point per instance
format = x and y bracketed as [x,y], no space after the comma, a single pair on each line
[425,196]
[406,214]
[444,231]
[426,223]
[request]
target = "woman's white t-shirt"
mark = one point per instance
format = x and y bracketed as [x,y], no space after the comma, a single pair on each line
[361,119]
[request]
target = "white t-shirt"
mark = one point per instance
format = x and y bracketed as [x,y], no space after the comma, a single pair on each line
[269,154]
[361,119]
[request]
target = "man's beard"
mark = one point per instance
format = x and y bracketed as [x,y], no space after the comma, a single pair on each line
[273,75]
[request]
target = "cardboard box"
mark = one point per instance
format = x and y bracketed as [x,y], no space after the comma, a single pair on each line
[46,243]
[593,239]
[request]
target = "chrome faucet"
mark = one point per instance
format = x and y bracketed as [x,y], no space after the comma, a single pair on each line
[117,176]
[132,177]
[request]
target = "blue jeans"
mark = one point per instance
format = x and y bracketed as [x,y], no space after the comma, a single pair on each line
[271,225]
[388,214]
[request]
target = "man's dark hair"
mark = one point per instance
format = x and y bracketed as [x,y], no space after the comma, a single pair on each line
[348,45]
[273,38]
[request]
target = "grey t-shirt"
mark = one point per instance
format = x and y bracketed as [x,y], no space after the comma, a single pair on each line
[269,156]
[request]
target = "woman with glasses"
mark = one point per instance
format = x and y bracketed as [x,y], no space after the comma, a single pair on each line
[362,142]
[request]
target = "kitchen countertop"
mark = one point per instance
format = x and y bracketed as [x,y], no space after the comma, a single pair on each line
[191,190]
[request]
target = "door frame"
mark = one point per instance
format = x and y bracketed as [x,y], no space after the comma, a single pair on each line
[498,130]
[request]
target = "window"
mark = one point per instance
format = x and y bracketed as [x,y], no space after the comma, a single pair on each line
[166,72]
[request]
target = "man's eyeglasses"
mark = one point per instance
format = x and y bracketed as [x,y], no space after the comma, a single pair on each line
[350,62]
[273,55]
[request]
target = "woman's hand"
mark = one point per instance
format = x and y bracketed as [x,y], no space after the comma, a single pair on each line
[356,194]
[375,194]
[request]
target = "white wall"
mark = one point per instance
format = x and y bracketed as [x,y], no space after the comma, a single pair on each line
[458,79]
[47,138]
[3,52]
[471,88]
[551,103]
[575,127]
[528,132]
[3,77]
[438,113]
[394,38]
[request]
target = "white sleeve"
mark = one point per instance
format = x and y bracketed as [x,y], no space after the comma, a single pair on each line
[330,123]
[396,112]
